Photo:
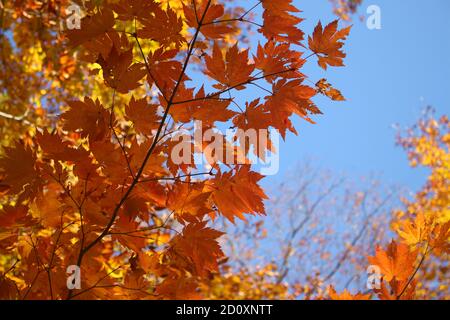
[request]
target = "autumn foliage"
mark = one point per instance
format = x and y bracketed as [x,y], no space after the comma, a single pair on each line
[345,9]
[414,266]
[92,183]
[88,178]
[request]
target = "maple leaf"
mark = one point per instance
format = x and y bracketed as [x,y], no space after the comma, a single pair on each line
[413,232]
[18,164]
[397,262]
[47,207]
[290,97]
[143,115]
[182,112]
[397,290]
[325,88]
[129,9]
[124,225]
[96,33]
[164,70]
[176,150]
[346,295]
[200,107]
[440,238]
[235,195]
[220,148]
[255,117]
[327,44]
[178,288]
[234,71]
[8,289]
[119,72]
[163,26]
[199,243]
[424,229]
[154,167]
[111,161]
[210,111]
[136,281]
[188,201]
[15,217]
[152,262]
[210,28]
[88,117]
[54,147]
[277,60]
[279,24]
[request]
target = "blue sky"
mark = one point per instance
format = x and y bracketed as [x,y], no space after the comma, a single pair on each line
[390,76]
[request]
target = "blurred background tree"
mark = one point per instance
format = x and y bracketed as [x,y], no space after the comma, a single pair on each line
[323,228]
[345,9]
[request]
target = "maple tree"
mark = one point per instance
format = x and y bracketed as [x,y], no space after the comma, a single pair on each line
[414,266]
[88,178]
[346,8]
[318,231]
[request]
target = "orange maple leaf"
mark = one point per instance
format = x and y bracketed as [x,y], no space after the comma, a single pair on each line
[18,165]
[188,201]
[234,71]
[327,44]
[96,33]
[397,290]
[279,24]
[129,9]
[237,194]
[346,295]
[277,60]
[256,117]
[327,89]
[396,262]
[199,243]
[119,72]
[143,115]
[211,29]
[163,26]
[178,288]
[88,117]
[15,217]
[164,70]
[290,97]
